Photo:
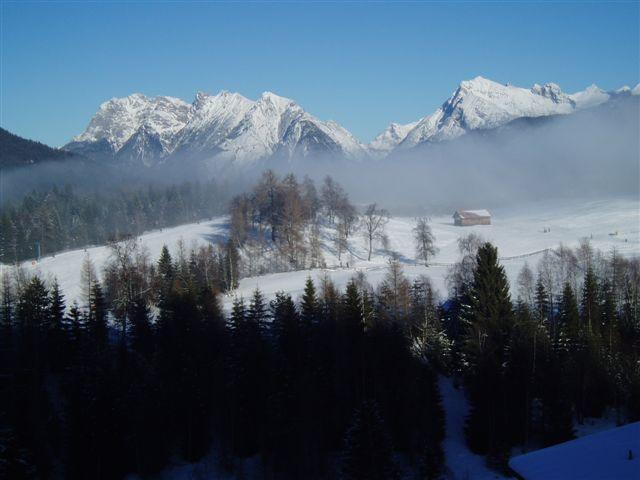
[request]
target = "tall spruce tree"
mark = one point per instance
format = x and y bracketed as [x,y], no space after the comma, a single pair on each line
[491,322]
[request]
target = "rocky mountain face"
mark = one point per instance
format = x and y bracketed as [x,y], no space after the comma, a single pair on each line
[482,104]
[230,129]
[226,127]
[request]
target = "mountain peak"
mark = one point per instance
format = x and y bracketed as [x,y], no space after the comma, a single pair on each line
[479,82]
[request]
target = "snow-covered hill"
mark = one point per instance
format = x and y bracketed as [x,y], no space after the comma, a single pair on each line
[515,230]
[480,104]
[229,128]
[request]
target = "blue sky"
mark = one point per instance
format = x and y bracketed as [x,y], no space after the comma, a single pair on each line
[361,64]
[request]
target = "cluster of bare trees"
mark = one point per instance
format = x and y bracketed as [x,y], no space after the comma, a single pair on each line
[283,224]
[278,223]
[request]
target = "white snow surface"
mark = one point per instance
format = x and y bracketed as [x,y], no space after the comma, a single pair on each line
[461,463]
[119,119]
[390,137]
[516,230]
[226,125]
[481,103]
[599,456]
[591,96]
[232,127]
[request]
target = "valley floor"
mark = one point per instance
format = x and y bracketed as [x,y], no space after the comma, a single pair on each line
[521,233]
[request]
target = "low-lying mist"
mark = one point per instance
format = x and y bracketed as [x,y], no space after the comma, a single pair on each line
[590,154]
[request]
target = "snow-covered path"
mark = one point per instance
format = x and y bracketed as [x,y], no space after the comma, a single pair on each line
[461,463]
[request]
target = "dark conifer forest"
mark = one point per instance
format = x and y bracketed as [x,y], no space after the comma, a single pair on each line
[149,369]
[57,219]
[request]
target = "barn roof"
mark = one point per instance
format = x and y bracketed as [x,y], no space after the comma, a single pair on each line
[472,213]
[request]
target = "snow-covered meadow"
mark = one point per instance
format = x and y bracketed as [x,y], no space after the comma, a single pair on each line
[516,230]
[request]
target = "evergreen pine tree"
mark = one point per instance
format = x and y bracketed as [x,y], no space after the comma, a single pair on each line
[56,344]
[309,305]
[140,328]
[491,323]
[97,322]
[542,307]
[368,454]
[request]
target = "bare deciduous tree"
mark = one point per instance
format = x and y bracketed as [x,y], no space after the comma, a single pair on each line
[374,221]
[425,240]
[526,284]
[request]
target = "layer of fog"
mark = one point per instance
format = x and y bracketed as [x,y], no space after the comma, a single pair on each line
[590,154]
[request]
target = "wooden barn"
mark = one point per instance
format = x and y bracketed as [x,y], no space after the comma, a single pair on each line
[466,218]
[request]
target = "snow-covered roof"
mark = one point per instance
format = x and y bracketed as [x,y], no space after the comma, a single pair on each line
[472,213]
[603,455]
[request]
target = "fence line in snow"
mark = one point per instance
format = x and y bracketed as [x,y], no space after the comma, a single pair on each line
[502,259]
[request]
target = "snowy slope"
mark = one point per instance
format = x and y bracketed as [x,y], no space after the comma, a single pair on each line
[481,103]
[227,126]
[462,464]
[119,119]
[594,457]
[591,97]
[390,138]
[515,231]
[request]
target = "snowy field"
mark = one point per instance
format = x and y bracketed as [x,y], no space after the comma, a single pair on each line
[518,230]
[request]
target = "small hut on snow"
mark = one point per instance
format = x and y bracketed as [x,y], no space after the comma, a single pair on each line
[465,218]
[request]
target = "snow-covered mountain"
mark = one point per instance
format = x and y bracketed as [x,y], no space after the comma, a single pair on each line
[222,127]
[135,121]
[481,104]
[229,128]
[390,138]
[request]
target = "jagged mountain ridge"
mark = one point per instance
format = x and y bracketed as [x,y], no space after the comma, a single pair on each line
[231,128]
[482,104]
[222,127]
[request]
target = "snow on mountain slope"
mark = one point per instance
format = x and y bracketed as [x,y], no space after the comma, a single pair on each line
[118,119]
[214,117]
[230,127]
[482,104]
[227,126]
[278,125]
[590,97]
[391,137]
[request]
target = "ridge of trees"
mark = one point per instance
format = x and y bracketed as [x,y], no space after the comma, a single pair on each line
[61,219]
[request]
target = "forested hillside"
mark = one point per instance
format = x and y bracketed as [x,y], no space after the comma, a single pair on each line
[61,219]
[16,151]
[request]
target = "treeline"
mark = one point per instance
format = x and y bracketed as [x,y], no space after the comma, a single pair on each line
[149,369]
[61,219]
[566,349]
[16,151]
